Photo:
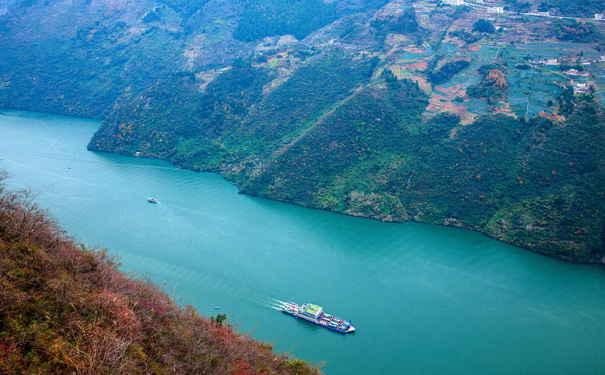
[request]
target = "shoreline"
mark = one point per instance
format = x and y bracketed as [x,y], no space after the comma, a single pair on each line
[598,261]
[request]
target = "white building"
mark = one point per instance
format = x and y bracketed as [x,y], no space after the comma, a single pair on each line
[580,88]
[454,2]
[599,16]
[552,62]
[496,10]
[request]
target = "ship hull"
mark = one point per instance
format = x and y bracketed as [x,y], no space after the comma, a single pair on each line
[325,320]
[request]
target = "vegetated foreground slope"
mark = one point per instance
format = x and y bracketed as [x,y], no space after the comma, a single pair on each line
[65,309]
[390,110]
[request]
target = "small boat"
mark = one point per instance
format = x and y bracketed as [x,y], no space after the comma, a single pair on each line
[153,200]
[315,314]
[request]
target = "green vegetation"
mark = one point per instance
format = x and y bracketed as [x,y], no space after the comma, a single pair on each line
[405,23]
[296,104]
[584,8]
[279,17]
[94,66]
[573,31]
[493,84]
[465,35]
[65,309]
[517,6]
[188,7]
[179,106]
[566,101]
[447,71]
[230,122]
[484,26]
[340,157]
[532,184]
[263,18]
[362,117]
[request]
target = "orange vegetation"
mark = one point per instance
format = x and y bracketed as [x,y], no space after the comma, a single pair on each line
[420,65]
[68,310]
[551,116]
[443,103]
[496,78]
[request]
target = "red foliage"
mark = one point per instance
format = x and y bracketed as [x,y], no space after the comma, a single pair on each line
[10,357]
[5,351]
[73,312]
[243,368]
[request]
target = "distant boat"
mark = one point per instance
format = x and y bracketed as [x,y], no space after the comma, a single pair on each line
[153,200]
[315,314]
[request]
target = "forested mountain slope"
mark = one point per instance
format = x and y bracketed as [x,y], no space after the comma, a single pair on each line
[401,110]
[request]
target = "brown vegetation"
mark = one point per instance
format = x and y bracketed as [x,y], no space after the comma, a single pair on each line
[495,78]
[65,309]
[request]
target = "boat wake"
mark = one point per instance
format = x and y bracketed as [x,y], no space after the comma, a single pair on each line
[275,304]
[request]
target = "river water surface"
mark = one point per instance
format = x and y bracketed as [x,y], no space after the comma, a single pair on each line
[425,299]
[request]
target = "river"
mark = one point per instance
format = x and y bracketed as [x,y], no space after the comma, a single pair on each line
[425,299]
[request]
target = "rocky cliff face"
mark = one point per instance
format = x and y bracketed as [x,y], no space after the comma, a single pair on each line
[390,110]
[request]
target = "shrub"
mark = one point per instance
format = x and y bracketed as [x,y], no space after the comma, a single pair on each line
[484,26]
[66,310]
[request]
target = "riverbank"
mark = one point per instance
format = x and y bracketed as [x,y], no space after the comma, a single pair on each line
[67,309]
[208,246]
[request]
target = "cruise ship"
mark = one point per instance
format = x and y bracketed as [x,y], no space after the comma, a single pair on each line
[315,314]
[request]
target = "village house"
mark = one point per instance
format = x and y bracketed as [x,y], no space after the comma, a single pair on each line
[496,10]
[454,2]
[580,88]
[575,72]
[552,62]
[599,16]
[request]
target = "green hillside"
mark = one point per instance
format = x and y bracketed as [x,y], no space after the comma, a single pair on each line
[396,111]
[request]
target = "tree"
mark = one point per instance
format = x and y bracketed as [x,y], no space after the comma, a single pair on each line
[484,26]
[544,7]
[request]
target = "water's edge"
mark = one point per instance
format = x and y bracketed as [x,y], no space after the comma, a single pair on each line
[597,262]
[424,298]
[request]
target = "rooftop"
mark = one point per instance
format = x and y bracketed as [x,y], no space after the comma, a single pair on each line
[311,308]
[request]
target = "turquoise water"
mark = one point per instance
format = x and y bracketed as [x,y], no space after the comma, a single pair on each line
[424,299]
